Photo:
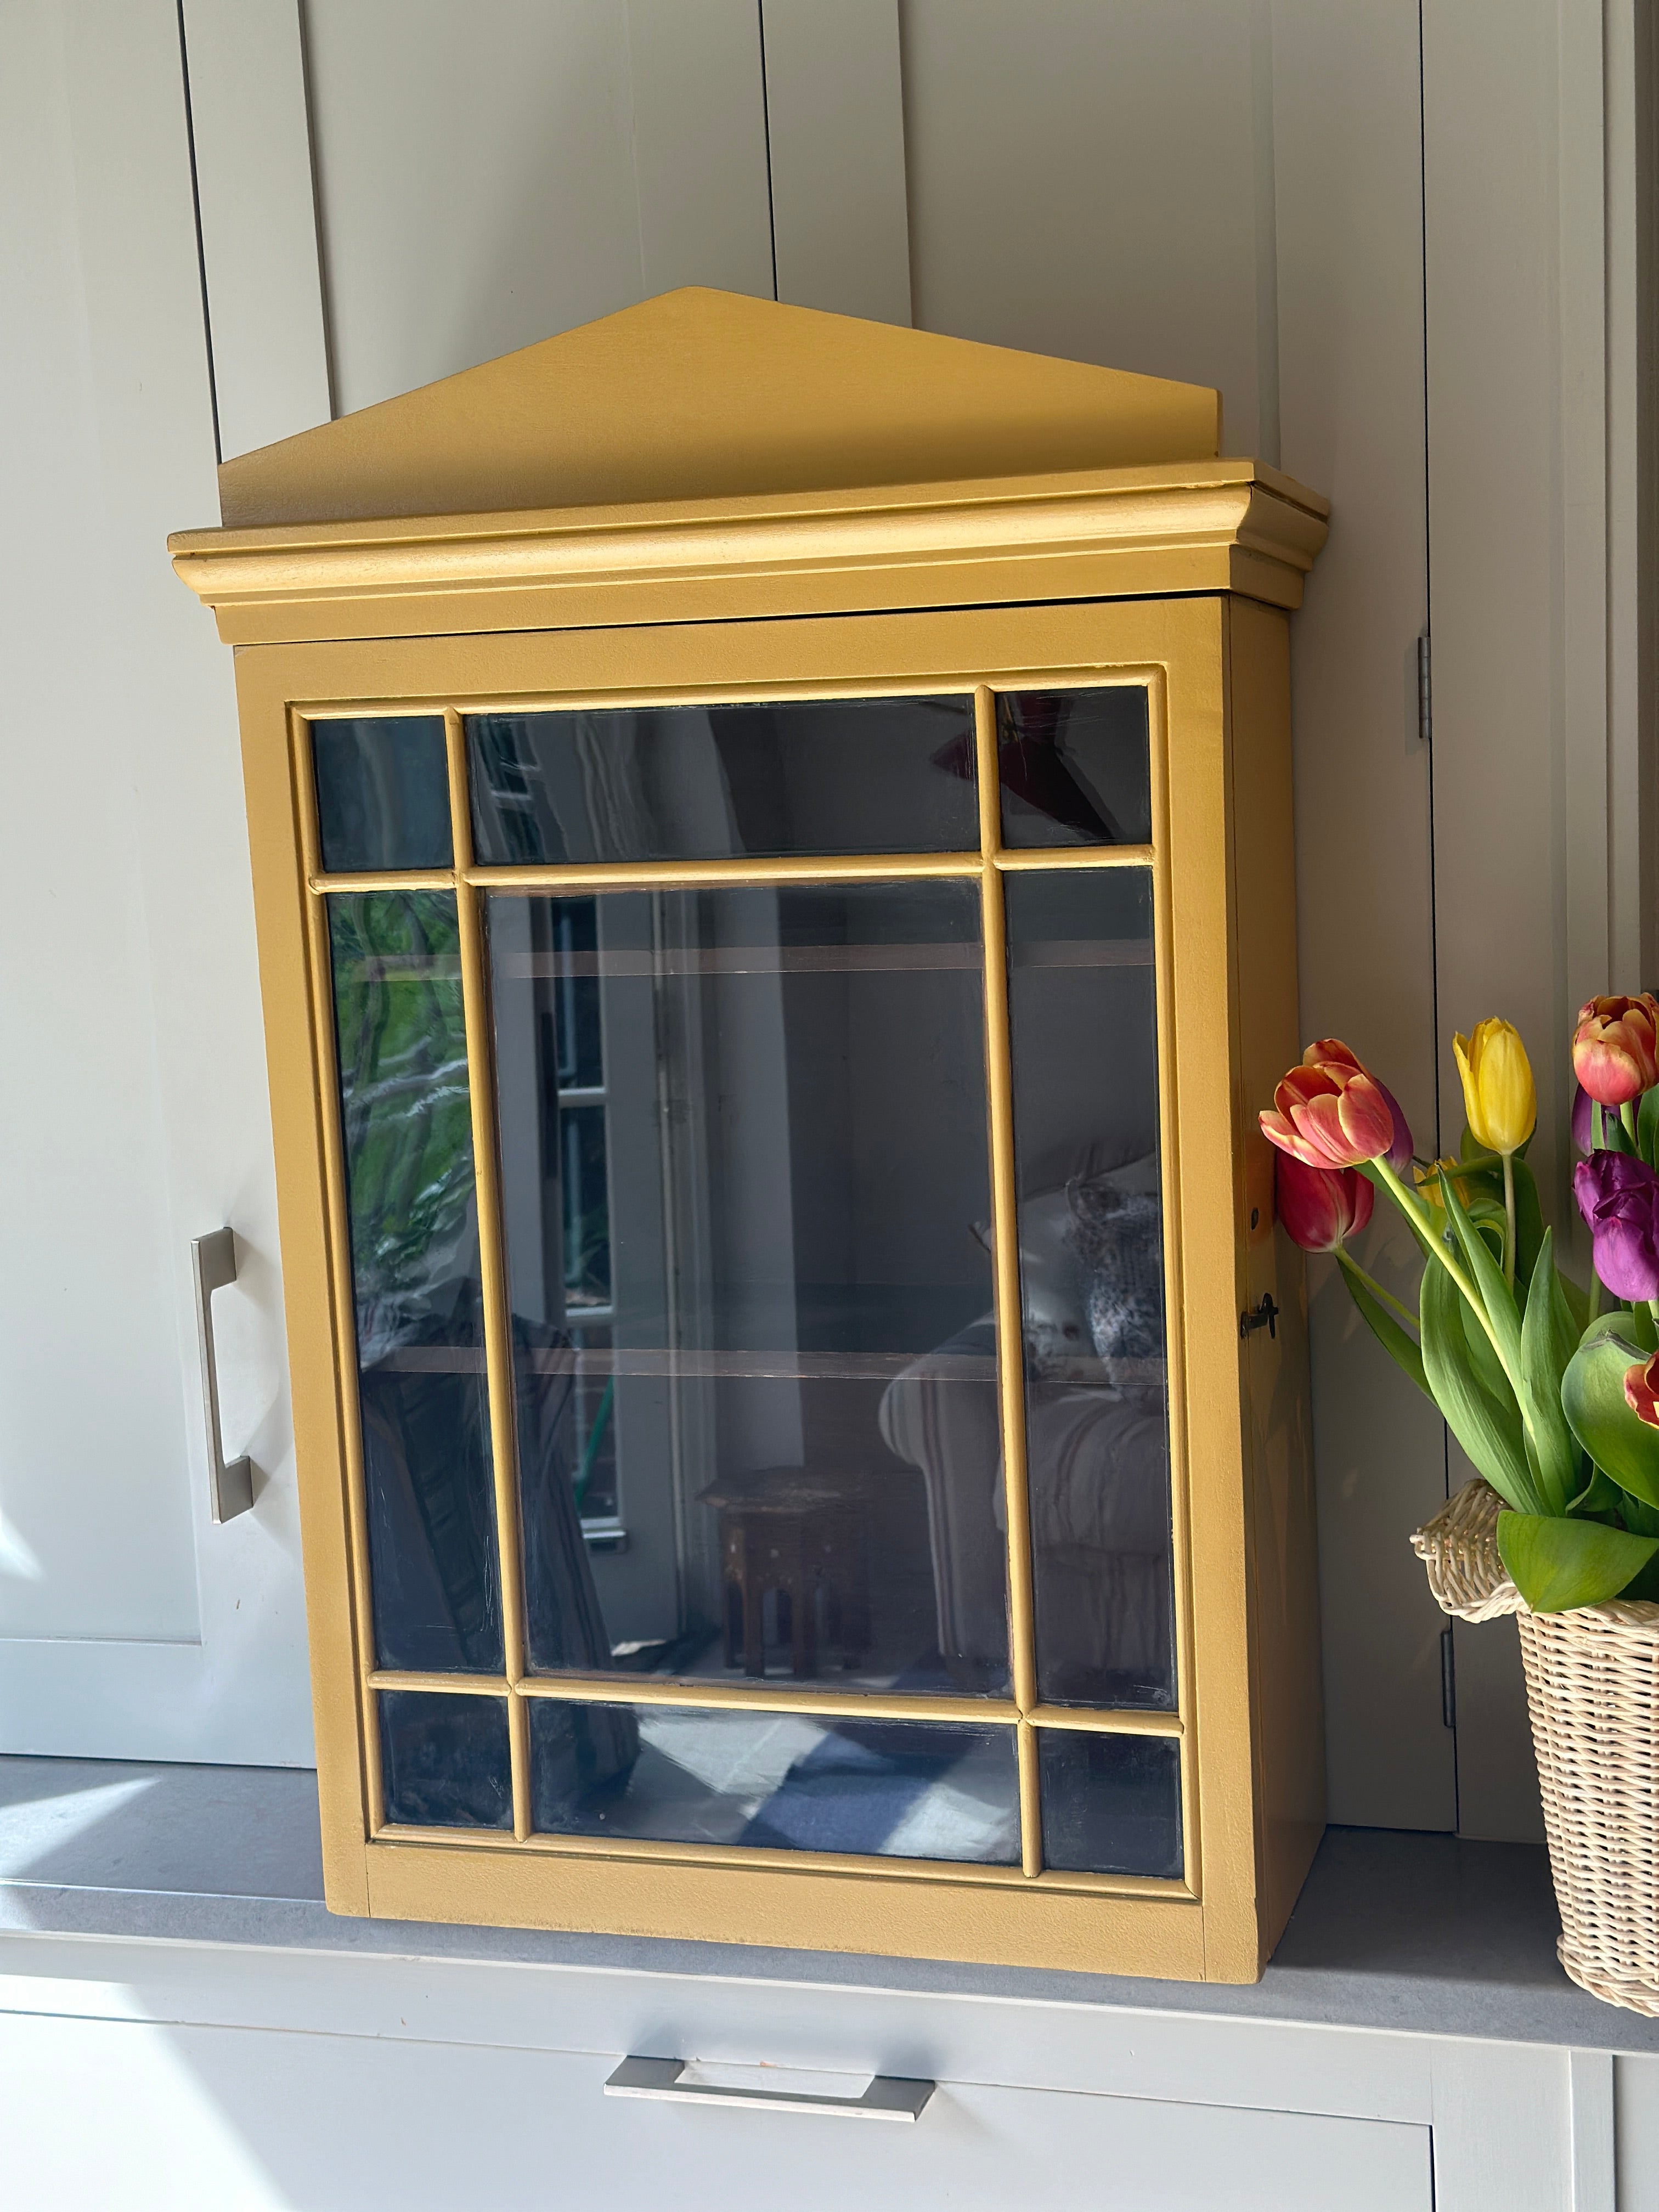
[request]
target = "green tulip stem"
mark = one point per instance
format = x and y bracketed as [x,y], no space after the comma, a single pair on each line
[1417,1208]
[1508,1217]
[1384,1298]
[1627,1115]
[1594,1294]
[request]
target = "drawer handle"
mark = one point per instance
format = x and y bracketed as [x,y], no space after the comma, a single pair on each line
[213,1264]
[889,2097]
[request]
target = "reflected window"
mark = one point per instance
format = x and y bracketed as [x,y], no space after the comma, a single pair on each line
[1111,1804]
[411,1205]
[1074,767]
[776,1781]
[1083,1023]
[382,791]
[790,1389]
[662,783]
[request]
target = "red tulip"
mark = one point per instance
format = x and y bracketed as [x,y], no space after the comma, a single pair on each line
[1641,1390]
[1331,1112]
[1320,1207]
[1613,1054]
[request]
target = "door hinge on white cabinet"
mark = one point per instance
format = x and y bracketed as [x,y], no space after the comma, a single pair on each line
[1447,1679]
[1425,691]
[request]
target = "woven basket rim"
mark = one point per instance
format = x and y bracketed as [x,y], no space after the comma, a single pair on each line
[1467,1523]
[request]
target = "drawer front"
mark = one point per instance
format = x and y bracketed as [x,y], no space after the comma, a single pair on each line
[177,2118]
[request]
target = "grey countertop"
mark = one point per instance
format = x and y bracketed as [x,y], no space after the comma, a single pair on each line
[1421,1933]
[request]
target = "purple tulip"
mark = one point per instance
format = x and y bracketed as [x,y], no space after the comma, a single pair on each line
[1398,1154]
[1583,1119]
[1619,1197]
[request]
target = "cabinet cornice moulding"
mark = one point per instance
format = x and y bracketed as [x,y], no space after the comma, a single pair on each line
[1190,526]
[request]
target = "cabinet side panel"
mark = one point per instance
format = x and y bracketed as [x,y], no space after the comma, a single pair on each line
[279,915]
[1282,1539]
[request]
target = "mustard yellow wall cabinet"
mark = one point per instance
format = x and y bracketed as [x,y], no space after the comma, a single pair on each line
[772,849]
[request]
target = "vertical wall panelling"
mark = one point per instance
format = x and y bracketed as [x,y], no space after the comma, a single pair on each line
[699,144]
[134,1092]
[1348,192]
[835,125]
[1271,154]
[258,218]
[488,176]
[1530,162]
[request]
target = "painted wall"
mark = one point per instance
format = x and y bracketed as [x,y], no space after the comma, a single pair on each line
[1407,255]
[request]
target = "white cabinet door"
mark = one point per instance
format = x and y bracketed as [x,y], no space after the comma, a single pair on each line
[133,1112]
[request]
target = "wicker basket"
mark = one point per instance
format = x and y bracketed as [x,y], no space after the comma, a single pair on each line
[1593,1694]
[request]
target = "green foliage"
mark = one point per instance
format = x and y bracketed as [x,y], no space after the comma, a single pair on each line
[1485,1421]
[1557,1563]
[1593,1395]
[403,1100]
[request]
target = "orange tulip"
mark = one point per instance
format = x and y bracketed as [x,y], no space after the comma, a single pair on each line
[1613,1054]
[1331,1112]
[1641,1390]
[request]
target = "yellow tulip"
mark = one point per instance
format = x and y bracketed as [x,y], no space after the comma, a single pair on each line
[1428,1182]
[1498,1095]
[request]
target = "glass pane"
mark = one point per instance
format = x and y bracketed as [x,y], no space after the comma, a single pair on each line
[751,1292]
[1111,1804]
[412,1207]
[1073,767]
[445,1760]
[660,783]
[382,792]
[1082,1014]
[779,1781]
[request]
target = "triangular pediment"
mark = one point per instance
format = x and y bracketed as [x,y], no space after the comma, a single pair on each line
[710,395]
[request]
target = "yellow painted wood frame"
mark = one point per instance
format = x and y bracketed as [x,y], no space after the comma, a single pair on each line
[1248,1724]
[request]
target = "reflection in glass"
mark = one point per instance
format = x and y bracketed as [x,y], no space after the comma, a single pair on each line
[408,1135]
[382,791]
[1082,1015]
[1111,1804]
[444,1760]
[658,783]
[1073,767]
[747,1252]
[776,1781]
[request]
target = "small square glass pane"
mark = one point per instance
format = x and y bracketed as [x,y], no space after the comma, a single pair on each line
[666,783]
[411,1197]
[1074,767]
[444,1761]
[744,1196]
[382,792]
[776,1781]
[1082,1010]
[1111,1804]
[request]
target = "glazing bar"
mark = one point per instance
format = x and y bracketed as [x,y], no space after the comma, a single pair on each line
[342,1289]
[999,1091]
[492,1266]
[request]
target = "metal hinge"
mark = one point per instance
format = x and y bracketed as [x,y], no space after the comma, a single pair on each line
[1448,1681]
[1425,692]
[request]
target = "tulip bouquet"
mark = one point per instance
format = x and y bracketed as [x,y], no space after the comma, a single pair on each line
[1552,1390]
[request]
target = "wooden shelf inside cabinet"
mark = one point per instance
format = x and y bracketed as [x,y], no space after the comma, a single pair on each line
[990,653]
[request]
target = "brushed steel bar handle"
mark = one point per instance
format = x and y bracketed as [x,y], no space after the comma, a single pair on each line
[212,1265]
[889,2097]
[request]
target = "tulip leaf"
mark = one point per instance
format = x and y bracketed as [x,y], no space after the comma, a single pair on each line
[1548,1340]
[1593,1398]
[1495,1293]
[1529,1222]
[1488,1426]
[1647,1126]
[1393,1340]
[1557,1564]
